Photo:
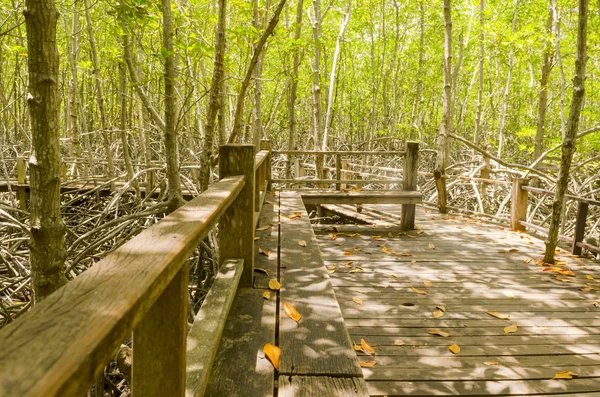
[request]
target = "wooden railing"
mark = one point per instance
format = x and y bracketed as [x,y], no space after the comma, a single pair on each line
[61,346]
[342,170]
[519,215]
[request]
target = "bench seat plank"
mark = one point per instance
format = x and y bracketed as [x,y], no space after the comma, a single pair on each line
[319,344]
[363,197]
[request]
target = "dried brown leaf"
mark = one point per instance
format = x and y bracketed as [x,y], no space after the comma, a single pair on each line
[510,329]
[366,347]
[274,285]
[367,364]
[454,348]
[439,333]
[292,312]
[499,315]
[357,300]
[418,291]
[267,295]
[273,353]
[302,243]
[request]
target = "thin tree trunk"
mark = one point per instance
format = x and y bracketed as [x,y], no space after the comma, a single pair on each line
[257,126]
[538,146]
[570,140]
[239,109]
[293,88]
[477,132]
[559,62]
[419,88]
[215,97]
[316,87]
[99,93]
[175,198]
[334,64]
[123,123]
[48,251]
[446,124]
[511,62]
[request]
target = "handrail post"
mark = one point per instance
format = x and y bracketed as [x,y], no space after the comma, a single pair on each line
[267,144]
[236,227]
[409,183]
[518,206]
[582,210]
[344,174]
[21,176]
[338,171]
[159,343]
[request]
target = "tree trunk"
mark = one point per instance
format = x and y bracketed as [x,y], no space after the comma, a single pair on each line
[215,98]
[569,142]
[47,245]
[511,62]
[317,126]
[110,172]
[175,198]
[123,123]
[257,123]
[294,89]
[446,124]
[239,108]
[538,146]
[336,57]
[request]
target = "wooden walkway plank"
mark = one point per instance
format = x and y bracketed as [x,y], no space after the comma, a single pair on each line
[469,267]
[319,344]
[321,386]
[240,368]
[267,232]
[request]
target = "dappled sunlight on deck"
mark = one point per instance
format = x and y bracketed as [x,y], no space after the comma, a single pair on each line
[468,268]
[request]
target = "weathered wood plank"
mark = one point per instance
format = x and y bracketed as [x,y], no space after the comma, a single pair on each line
[240,367]
[159,351]
[478,388]
[319,344]
[205,335]
[472,331]
[364,197]
[409,183]
[236,231]
[482,372]
[321,386]
[268,240]
[99,308]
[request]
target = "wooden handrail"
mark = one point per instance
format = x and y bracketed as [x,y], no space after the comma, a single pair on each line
[260,158]
[342,152]
[568,196]
[349,181]
[64,341]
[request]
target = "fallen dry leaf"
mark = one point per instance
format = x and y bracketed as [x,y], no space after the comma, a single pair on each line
[595,303]
[261,270]
[398,342]
[357,300]
[366,347]
[589,277]
[510,329]
[376,237]
[273,353]
[264,227]
[358,348]
[491,363]
[418,291]
[302,243]
[454,348]
[565,375]
[352,234]
[438,313]
[348,252]
[441,307]
[267,295]
[439,333]
[431,245]
[499,315]
[367,364]
[256,238]
[427,283]
[292,312]
[393,275]
[354,271]
[347,263]
[274,285]
[357,249]
[262,251]
[390,235]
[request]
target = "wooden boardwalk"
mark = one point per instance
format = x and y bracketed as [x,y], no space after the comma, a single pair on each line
[389,285]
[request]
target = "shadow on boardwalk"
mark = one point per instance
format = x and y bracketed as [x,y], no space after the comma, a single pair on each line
[468,267]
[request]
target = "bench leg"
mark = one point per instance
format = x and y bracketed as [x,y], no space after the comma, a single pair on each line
[408,217]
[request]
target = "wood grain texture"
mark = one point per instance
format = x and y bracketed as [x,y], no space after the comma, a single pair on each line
[471,271]
[321,386]
[364,197]
[236,231]
[159,342]
[205,336]
[319,344]
[98,309]
[411,168]
[240,367]
[268,240]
